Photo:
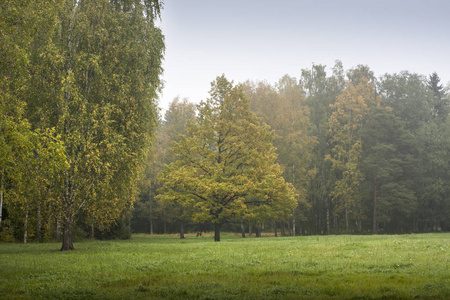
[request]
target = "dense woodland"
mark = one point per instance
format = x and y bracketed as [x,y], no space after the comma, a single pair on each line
[84,152]
[78,90]
[365,154]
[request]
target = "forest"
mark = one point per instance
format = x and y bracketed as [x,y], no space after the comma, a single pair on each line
[86,152]
[365,155]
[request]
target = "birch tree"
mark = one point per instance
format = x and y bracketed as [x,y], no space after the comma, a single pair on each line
[350,109]
[96,71]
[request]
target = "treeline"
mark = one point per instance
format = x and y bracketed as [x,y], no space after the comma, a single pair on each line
[345,152]
[78,85]
[365,155]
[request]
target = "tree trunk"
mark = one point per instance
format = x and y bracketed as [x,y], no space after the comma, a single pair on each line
[257,231]
[2,186]
[328,219]
[346,217]
[250,229]
[242,228]
[181,230]
[151,227]
[151,215]
[39,222]
[58,227]
[289,228]
[283,229]
[275,228]
[25,226]
[374,225]
[336,224]
[165,227]
[67,244]
[293,222]
[39,197]
[92,231]
[217,232]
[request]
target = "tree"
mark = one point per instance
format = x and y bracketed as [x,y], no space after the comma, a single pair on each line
[433,195]
[225,163]
[175,123]
[27,154]
[284,109]
[33,193]
[95,80]
[385,161]
[321,92]
[406,93]
[440,104]
[351,108]
[412,102]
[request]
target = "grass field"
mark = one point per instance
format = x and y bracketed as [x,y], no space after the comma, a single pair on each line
[165,267]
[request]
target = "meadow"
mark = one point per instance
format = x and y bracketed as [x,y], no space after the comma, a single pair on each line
[165,267]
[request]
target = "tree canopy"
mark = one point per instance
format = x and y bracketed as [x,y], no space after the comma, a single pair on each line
[81,138]
[87,75]
[226,163]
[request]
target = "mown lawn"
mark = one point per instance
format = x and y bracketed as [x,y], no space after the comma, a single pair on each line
[164,267]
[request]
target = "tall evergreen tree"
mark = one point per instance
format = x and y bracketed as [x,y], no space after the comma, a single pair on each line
[440,105]
[384,163]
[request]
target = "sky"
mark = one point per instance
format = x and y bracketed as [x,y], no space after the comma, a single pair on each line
[264,40]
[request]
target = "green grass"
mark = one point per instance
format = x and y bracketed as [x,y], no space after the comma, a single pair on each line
[164,267]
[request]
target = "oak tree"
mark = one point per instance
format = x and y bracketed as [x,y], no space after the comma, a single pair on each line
[225,163]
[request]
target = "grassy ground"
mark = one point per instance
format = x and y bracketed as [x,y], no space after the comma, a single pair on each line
[161,267]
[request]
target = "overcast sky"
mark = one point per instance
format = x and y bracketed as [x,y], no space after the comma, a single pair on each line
[264,40]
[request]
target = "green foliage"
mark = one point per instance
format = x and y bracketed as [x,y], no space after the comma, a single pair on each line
[225,164]
[79,82]
[433,203]
[361,154]
[85,73]
[319,101]
[350,109]
[149,210]
[284,109]
[406,93]
[7,232]
[387,160]
[440,103]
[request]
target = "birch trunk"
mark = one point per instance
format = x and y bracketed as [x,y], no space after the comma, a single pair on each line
[293,222]
[39,222]
[25,226]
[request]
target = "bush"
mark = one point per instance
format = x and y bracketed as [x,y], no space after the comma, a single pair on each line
[119,230]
